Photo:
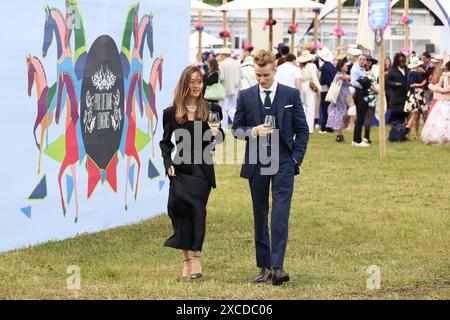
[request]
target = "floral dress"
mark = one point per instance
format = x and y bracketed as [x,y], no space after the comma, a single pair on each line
[416,96]
[372,98]
[337,111]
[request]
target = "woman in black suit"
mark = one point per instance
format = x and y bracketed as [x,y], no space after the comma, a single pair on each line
[191,172]
[396,83]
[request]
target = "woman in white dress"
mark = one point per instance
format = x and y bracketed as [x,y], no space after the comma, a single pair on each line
[437,127]
[310,91]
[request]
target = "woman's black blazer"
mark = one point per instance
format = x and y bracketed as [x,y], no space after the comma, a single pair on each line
[398,93]
[170,125]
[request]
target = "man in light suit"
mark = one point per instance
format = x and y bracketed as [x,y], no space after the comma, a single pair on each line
[230,74]
[271,98]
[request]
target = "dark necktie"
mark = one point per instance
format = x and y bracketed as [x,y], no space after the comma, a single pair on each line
[267,102]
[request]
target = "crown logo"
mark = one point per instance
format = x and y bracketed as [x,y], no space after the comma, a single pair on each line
[103,79]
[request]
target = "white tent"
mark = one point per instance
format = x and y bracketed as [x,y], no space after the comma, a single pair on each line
[208,40]
[200,6]
[441,8]
[269,4]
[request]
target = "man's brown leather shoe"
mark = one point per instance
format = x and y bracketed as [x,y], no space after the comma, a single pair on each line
[264,275]
[279,276]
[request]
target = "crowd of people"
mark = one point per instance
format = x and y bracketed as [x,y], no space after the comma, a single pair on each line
[295,95]
[413,87]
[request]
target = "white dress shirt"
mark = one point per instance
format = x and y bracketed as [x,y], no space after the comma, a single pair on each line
[272,89]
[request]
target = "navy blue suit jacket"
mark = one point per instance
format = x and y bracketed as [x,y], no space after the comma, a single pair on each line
[327,74]
[292,125]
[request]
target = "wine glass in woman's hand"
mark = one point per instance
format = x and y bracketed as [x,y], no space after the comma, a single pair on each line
[214,122]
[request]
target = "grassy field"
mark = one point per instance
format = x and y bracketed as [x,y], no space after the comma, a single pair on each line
[350,210]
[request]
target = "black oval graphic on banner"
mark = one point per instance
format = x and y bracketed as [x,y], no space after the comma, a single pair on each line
[102,101]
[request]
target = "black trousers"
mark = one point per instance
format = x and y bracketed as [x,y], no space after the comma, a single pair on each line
[361,110]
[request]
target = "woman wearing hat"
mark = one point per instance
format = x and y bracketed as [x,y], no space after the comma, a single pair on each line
[416,102]
[327,74]
[310,86]
[190,181]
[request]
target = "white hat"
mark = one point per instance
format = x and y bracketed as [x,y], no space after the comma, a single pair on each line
[326,55]
[354,51]
[437,58]
[226,51]
[306,56]
[414,62]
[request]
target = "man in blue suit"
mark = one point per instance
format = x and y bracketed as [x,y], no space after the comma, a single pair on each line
[287,149]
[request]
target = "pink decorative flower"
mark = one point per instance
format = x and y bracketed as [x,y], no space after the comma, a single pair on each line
[293,28]
[338,32]
[407,20]
[247,47]
[225,33]
[407,51]
[269,22]
[199,26]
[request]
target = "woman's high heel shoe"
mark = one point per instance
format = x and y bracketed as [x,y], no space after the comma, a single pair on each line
[185,277]
[196,275]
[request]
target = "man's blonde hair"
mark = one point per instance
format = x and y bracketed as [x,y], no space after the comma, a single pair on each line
[263,58]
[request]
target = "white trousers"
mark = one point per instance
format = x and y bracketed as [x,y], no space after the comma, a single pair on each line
[309,104]
[228,110]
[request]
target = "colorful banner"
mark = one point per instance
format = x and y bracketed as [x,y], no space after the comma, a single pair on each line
[83,89]
[379,14]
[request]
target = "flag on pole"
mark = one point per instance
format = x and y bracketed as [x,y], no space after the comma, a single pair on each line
[365,37]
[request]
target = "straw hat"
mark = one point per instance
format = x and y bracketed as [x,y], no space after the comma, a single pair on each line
[326,55]
[306,57]
[414,62]
[225,51]
[437,58]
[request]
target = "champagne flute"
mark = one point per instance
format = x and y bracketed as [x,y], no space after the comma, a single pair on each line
[269,124]
[214,120]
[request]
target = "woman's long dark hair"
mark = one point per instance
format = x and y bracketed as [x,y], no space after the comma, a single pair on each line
[397,57]
[341,63]
[182,93]
[213,66]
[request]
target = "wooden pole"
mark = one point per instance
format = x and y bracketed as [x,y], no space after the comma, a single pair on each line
[199,47]
[294,11]
[339,23]
[406,13]
[381,100]
[224,23]
[316,25]
[270,30]
[249,26]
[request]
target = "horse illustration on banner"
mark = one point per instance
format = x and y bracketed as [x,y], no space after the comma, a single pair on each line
[100,90]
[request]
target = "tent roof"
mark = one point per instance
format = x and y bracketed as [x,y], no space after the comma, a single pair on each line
[200,6]
[207,40]
[269,4]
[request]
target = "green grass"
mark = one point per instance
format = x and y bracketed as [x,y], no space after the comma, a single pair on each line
[350,210]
